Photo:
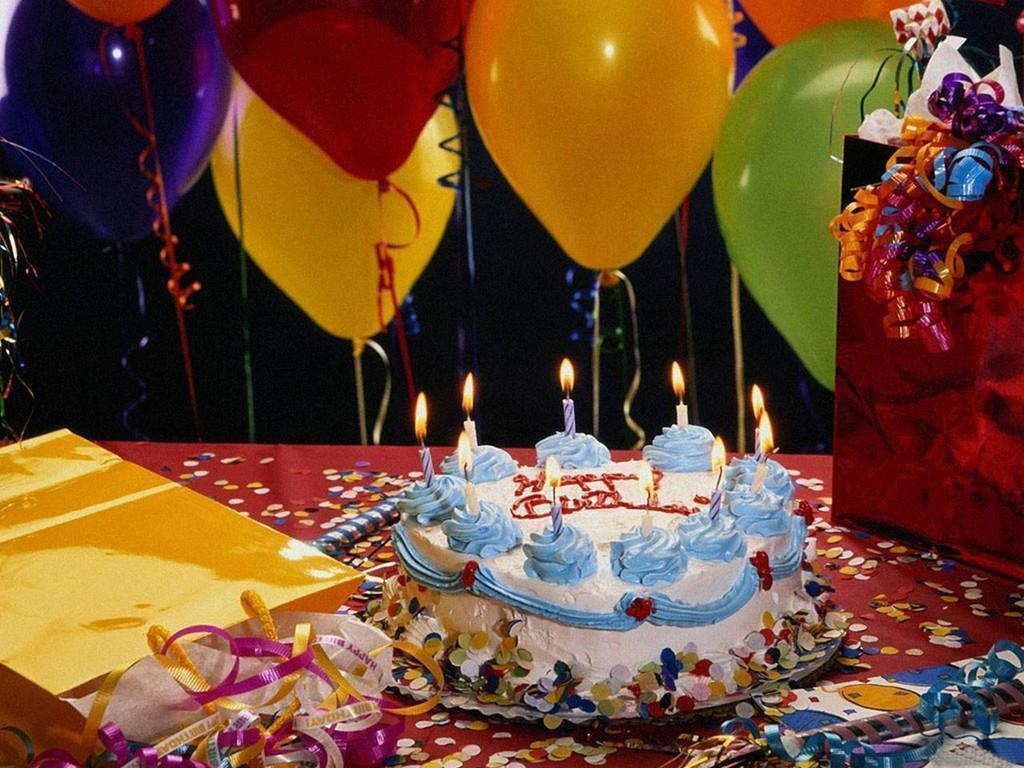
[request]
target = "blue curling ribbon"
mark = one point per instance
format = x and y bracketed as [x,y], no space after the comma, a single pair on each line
[410,317]
[965,175]
[581,302]
[939,708]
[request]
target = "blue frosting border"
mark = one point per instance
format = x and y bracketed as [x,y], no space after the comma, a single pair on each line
[665,611]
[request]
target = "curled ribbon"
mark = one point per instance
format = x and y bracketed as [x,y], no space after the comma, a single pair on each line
[951,192]
[987,691]
[354,724]
[180,285]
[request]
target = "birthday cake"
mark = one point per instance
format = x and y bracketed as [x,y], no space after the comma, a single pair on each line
[630,602]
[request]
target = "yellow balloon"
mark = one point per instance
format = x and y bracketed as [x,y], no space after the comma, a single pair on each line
[312,228]
[601,115]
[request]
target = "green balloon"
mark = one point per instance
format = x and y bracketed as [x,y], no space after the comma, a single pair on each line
[776,185]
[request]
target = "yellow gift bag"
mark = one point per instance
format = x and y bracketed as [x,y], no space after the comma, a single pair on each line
[95,549]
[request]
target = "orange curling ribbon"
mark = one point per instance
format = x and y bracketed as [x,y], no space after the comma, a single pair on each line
[179,285]
[853,229]
[949,192]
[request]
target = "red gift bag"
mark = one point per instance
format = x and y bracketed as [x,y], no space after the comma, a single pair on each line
[930,445]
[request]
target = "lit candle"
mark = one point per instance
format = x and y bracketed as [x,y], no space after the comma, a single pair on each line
[717,465]
[646,478]
[765,449]
[553,479]
[679,386]
[567,377]
[467,408]
[421,434]
[757,404]
[466,462]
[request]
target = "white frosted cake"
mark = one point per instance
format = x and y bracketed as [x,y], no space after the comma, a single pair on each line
[612,615]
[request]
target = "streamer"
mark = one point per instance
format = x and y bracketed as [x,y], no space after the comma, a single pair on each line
[180,286]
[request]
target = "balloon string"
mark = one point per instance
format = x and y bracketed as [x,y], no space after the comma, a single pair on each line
[634,386]
[738,359]
[461,182]
[243,269]
[385,398]
[179,285]
[682,222]
[595,358]
[358,345]
[136,393]
[386,279]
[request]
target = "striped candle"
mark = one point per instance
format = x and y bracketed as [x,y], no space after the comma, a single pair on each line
[569,412]
[428,465]
[556,513]
[567,378]
[553,479]
[716,503]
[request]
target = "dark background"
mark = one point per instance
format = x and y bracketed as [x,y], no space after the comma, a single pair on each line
[100,350]
[82,316]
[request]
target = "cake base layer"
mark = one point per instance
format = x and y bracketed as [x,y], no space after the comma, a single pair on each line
[500,660]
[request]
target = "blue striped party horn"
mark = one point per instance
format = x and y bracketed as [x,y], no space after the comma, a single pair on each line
[358,528]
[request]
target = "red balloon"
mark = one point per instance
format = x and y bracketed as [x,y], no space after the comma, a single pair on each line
[360,78]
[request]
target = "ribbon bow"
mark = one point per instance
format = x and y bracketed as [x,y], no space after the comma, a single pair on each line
[950,192]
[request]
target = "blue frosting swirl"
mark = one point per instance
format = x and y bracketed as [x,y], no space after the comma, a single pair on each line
[707,539]
[577,452]
[429,504]
[667,612]
[489,464]
[761,513]
[567,558]
[681,449]
[648,560]
[740,474]
[489,533]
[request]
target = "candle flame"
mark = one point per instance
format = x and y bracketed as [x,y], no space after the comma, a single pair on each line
[552,473]
[421,417]
[468,394]
[717,455]
[757,401]
[465,454]
[767,437]
[646,478]
[567,376]
[678,382]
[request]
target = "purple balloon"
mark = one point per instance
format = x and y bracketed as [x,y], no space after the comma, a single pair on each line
[56,100]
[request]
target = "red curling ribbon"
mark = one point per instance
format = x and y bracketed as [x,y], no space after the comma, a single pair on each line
[179,285]
[386,279]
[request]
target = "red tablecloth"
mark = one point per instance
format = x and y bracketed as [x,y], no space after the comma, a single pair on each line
[910,608]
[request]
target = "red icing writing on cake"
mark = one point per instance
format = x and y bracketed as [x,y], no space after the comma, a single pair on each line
[595,492]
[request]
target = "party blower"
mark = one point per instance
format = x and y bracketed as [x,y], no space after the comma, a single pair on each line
[988,691]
